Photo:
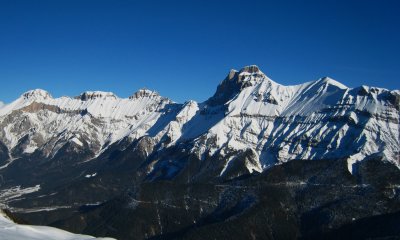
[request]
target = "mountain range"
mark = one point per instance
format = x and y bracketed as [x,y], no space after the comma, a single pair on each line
[145,167]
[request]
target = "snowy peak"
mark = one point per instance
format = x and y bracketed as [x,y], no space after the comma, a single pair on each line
[144,93]
[91,95]
[37,94]
[250,69]
[332,82]
[235,82]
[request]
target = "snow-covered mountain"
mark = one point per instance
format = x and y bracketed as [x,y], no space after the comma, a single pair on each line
[94,118]
[146,167]
[322,119]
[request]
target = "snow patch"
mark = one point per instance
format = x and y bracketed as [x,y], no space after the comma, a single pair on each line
[77,141]
[90,175]
[30,148]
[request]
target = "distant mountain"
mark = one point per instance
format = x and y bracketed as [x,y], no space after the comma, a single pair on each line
[85,155]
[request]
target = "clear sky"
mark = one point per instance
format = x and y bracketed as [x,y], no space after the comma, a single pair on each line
[183,49]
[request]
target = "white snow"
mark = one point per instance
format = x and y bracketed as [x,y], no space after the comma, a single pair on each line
[30,148]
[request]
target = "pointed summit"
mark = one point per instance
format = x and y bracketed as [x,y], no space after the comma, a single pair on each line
[250,69]
[330,81]
[235,82]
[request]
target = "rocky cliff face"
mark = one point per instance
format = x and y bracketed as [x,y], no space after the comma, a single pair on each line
[97,152]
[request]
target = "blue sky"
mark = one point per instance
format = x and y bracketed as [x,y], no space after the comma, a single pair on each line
[183,49]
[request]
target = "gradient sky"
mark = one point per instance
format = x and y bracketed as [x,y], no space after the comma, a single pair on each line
[183,49]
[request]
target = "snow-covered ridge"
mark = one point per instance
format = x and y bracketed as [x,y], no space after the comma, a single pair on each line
[96,103]
[95,118]
[321,119]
